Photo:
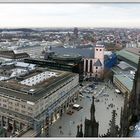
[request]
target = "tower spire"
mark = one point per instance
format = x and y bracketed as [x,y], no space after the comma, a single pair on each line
[92,110]
[91,126]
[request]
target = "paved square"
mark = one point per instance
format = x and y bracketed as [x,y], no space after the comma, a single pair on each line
[103,113]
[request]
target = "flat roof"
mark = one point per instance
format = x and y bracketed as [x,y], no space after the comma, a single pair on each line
[84,52]
[133,50]
[41,90]
[118,70]
[67,56]
[125,80]
[123,65]
[128,55]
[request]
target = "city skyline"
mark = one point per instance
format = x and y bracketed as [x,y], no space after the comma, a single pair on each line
[69,15]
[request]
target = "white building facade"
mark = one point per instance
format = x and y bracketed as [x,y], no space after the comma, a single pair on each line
[94,67]
[37,111]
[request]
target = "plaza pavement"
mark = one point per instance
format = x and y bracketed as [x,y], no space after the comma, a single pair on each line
[102,114]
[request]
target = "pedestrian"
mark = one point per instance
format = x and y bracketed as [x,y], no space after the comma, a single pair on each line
[61,132]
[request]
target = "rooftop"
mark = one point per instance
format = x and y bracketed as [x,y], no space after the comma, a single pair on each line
[98,63]
[128,55]
[84,52]
[15,69]
[14,89]
[124,66]
[133,50]
[13,55]
[124,69]
[67,57]
[125,80]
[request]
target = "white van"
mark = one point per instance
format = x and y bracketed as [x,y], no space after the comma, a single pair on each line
[117,91]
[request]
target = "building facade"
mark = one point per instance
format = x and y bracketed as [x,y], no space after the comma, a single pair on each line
[35,107]
[94,66]
[130,116]
[123,83]
[93,57]
[11,55]
[123,75]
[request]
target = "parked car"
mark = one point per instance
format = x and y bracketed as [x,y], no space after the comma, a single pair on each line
[105,94]
[70,112]
[79,108]
[87,96]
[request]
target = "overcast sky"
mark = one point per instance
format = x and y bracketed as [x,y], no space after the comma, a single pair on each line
[70,15]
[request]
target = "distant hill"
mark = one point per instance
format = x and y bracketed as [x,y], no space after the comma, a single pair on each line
[19,29]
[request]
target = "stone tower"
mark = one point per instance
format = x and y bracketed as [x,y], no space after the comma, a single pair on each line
[131,111]
[135,96]
[91,126]
[124,117]
[98,66]
[99,53]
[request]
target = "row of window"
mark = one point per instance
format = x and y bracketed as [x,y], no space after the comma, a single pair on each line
[17,104]
[17,109]
[91,70]
[67,85]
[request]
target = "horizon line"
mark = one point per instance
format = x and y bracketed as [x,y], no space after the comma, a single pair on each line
[69,27]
